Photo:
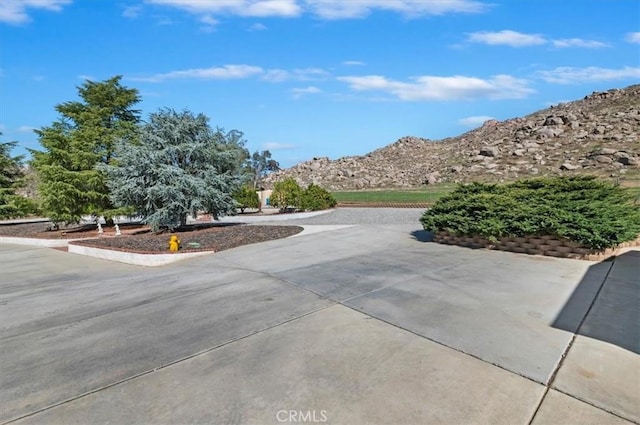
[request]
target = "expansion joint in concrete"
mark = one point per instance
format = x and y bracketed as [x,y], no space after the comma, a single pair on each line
[565,353]
[161,367]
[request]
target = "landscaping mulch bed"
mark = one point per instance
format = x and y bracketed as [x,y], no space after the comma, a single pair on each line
[193,238]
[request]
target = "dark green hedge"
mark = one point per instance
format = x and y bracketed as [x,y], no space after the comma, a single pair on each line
[582,209]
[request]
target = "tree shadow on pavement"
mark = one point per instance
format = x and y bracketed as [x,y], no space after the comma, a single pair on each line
[614,315]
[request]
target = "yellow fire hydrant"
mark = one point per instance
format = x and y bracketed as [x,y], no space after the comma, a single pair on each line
[174,243]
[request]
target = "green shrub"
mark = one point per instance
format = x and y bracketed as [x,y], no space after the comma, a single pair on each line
[316,198]
[16,206]
[581,209]
[246,197]
[286,194]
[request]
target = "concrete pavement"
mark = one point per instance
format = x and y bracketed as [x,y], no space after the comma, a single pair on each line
[361,324]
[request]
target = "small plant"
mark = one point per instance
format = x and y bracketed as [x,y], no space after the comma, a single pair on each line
[581,209]
[246,197]
[286,194]
[315,198]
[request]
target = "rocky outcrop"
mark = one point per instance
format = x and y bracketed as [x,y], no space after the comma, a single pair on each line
[599,134]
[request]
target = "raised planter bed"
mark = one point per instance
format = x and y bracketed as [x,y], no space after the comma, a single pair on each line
[535,245]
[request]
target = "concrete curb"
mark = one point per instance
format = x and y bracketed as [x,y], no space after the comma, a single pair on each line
[147,260]
[155,260]
[49,243]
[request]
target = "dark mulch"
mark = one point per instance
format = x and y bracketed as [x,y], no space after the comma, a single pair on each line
[194,238]
[200,238]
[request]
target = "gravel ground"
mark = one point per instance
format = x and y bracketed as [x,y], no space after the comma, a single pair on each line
[363,216]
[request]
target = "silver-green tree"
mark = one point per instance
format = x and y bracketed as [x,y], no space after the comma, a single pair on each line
[179,167]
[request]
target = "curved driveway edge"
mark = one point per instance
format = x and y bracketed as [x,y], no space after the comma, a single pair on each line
[48,243]
[157,260]
[148,260]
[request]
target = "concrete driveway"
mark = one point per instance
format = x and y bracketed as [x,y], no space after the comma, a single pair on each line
[357,325]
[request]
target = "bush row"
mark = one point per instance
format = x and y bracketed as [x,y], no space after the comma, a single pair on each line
[581,209]
[287,194]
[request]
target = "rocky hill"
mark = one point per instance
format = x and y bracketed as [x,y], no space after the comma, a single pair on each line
[599,134]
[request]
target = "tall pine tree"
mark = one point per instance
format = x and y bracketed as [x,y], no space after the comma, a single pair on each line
[11,179]
[85,136]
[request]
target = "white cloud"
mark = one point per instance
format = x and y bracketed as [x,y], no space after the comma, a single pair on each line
[276,75]
[302,74]
[578,42]
[299,92]
[506,38]
[353,63]
[86,77]
[571,75]
[518,39]
[132,12]
[275,146]
[226,72]
[457,87]
[16,11]
[258,27]
[310,74]
[325,9]
[25,129]
[257,8]
[475,121]
[633,37]
[209,23]
[349,9]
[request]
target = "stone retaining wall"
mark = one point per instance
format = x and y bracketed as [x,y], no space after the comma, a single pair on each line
[383,205]
[534,245]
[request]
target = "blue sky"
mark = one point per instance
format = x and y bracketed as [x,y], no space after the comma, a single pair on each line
[307,78]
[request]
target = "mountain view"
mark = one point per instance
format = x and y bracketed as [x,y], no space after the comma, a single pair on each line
[599,134]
